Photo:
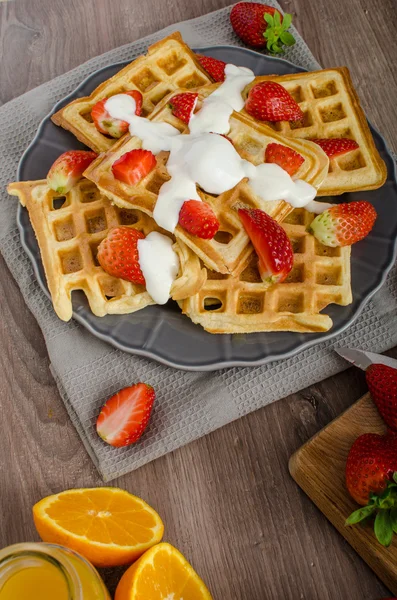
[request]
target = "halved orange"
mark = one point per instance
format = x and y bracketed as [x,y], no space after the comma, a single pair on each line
[162,573]
[107,525]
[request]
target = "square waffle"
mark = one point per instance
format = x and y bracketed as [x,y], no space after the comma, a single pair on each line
[69,230]
[332,109]
[242,304]
[231,245]
[168,65]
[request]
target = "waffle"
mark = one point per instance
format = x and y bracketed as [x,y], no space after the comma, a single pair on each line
[231,245]
[241,304]
[332,109]
[69,230]
[168,65]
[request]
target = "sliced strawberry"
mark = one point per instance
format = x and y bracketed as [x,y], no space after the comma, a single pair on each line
[213,66]
[336,146]
[183,105]
[109,126]
[125,415]
[284,157]
[68,169]
[118,254]
[271,243]
[269,101]
[344,224]
[198,219]
[134,166]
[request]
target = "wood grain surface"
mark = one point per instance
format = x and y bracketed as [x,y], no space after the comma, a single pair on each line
[227,500]
[319,468]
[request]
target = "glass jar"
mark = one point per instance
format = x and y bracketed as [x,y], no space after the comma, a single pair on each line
[41,571]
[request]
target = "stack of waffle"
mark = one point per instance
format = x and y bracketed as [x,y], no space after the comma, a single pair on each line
[218,285]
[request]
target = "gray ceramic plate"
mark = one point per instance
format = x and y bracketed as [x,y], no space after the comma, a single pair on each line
[162,332]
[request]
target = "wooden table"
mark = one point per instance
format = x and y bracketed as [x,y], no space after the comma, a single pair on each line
[227,500]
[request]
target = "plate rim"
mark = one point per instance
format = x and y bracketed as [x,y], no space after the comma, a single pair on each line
[219,364]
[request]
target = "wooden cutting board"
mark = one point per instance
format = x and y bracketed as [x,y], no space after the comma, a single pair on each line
[318,467]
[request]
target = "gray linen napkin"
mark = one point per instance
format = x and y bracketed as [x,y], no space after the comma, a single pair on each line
[87,371]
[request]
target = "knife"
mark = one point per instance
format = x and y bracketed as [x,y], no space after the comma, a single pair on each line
[363,359]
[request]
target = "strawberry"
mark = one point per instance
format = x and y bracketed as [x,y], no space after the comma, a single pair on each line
[259,25]
[118,254]
[335,146]
[271,244]
[125,415]
[68,169]
[382,383]
[133,166]
[109,126]
[344,224]
[183,105]
[371,480]
[198,219]
[269,101]
[284,157]
[213,66]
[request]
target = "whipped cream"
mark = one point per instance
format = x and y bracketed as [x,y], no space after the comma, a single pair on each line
[159,264]
[206,159]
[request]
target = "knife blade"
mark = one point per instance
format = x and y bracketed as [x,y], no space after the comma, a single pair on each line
[363,359]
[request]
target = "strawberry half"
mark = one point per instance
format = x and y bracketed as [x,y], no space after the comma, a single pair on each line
[198,219]
[125,415]
[134,166]
[284,157]
[344,224]
[68,169]
[183,105]
[269,101]
[259,25]
[118,254]
[382,383]
[214,67]
[271,243]
[336,146]
[109,126]
[371,480]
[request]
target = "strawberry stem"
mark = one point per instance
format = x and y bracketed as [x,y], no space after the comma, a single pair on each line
[276,34]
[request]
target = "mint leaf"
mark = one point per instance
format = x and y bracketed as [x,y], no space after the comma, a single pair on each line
[287,38]
[383,528]
[359,515]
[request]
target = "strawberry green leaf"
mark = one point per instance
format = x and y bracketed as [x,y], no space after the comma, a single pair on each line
[395,476]
[383,528]
[277,19]
[269,19]
[287,20]
[393,516]
[360,515]
[287,38]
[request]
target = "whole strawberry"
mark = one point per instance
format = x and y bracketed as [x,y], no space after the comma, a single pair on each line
[271,243]
[259,25]
[382,383]
[344,224]
[118,254]
[269,101]
[371,479]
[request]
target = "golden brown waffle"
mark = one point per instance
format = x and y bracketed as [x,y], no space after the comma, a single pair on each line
[231,245]
[241,304]
[332,109]
[168,65]
[69,230]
